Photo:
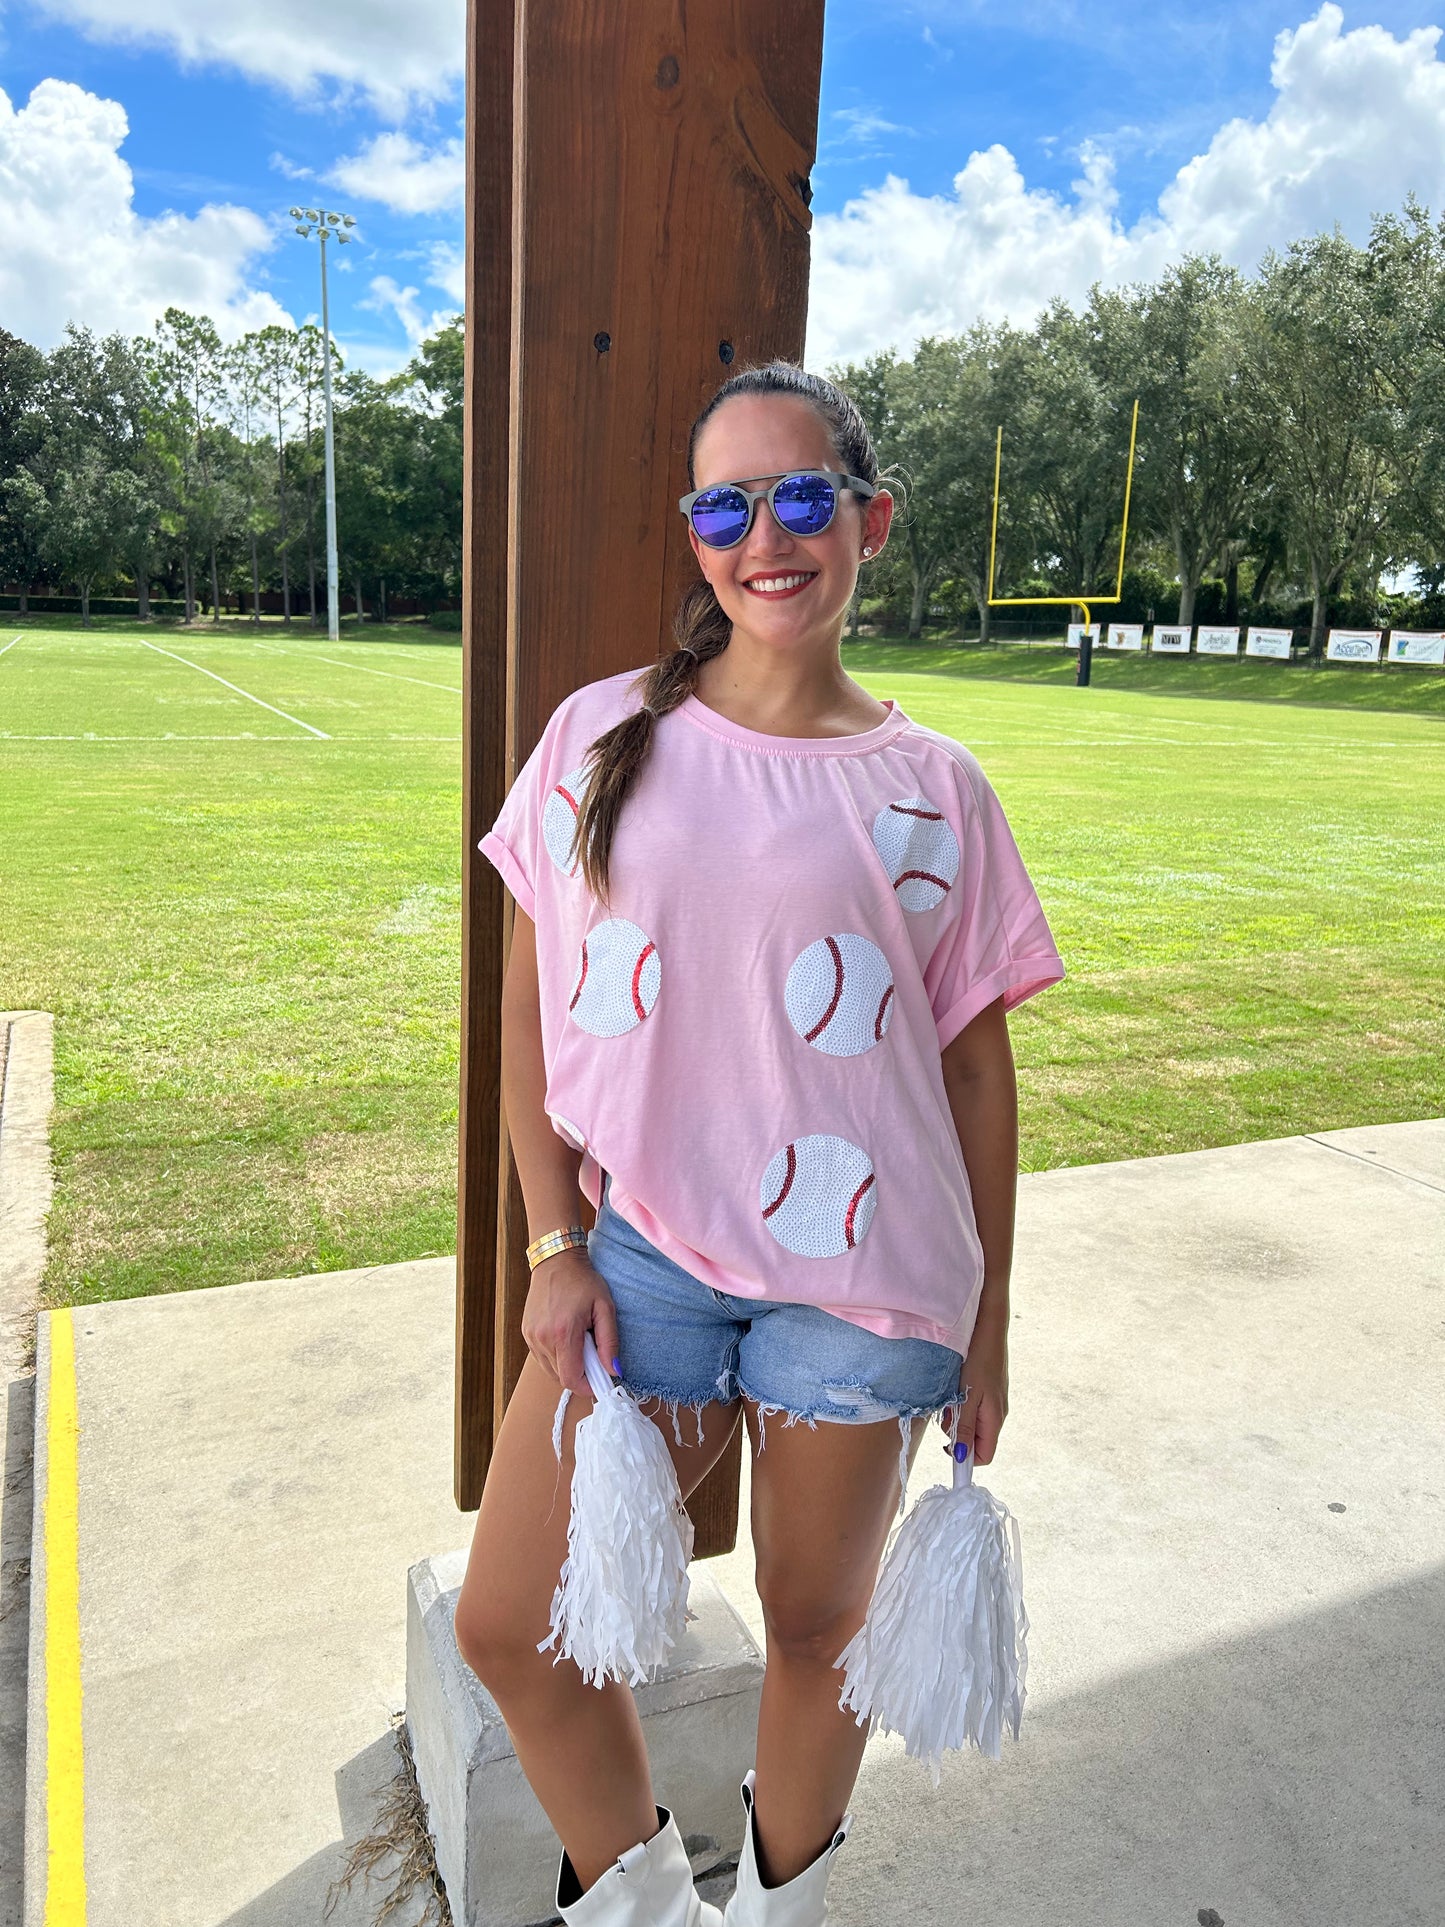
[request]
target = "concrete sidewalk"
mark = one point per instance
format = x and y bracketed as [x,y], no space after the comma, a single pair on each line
[27,1089]
[1225,1451]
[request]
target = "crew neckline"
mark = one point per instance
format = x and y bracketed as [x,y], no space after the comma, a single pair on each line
[715,724]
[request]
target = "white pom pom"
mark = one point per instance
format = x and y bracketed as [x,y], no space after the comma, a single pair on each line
[622,1600]
[942,1655]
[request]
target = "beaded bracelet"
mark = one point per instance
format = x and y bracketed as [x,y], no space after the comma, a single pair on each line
[551,1242]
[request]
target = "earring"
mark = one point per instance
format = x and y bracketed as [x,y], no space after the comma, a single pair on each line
[867,551]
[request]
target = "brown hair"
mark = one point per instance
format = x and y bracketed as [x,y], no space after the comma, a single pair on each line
[701,629]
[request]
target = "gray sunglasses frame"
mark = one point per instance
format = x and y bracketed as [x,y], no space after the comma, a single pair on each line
[756,495]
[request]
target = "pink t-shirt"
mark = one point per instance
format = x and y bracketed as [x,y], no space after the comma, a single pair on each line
[749,1037]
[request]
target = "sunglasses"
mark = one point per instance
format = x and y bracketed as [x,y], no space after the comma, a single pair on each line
[803,503]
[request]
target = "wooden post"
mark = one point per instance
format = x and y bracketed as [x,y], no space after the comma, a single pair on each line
[637,225]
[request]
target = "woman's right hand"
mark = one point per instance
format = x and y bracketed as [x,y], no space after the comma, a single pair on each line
[566,1299]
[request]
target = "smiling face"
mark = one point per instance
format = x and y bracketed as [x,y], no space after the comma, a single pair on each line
[752,439]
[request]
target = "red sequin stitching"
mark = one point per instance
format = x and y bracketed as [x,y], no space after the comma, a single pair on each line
[637,1003]
[582,979]
[881,1020]
[858,1197]
[827,1017]
[927,876]
[769,1209]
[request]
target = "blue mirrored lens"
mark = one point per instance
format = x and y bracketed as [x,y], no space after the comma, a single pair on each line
[720,515]
[805,503]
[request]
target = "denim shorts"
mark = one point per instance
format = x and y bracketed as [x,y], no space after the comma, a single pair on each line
[685,1343]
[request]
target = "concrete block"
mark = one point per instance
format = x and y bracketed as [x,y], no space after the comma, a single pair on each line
[495,1847]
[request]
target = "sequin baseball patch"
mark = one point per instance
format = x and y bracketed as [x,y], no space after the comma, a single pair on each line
[839,994]
[559,818]
[619,974]
[817,1196]
[919,851]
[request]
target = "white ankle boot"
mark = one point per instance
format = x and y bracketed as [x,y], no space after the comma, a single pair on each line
[799,1902]
[648,1886]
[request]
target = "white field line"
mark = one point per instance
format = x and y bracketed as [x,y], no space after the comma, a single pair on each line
[392,675]
[10,645]
[283,714]
[382,651]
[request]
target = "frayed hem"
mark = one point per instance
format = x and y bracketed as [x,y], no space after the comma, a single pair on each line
[718,1396]
[904,1415]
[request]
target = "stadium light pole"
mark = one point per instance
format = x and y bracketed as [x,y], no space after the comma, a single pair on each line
[324,223]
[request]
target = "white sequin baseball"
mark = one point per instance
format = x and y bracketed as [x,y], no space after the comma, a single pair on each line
[559,818]
[919,851]
[618,977]
[817,1196]
[839,994]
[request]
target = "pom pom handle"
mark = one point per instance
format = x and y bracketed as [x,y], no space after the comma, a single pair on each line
[597,1376]
[963,1470]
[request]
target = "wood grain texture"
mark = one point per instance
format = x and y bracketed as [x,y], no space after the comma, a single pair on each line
[488,747]
[655,227]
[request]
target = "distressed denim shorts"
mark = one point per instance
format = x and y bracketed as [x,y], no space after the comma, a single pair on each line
[685,1343]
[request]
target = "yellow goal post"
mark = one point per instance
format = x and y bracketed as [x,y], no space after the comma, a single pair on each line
[1019,601]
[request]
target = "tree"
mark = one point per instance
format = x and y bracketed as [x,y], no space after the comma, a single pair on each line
[83,494]
[22,429]
[91,508]
[1407,256]
[188,374]
[1073,448]
[275,351]
[983,396]
[427,531]
[370,504]
[1202,446]
[248,366]
[907,417]
[1317,373]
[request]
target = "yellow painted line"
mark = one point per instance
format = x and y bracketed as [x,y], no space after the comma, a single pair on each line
[64,1756]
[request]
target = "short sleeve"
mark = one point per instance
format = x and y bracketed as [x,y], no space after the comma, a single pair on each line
[998,941]
[514,839]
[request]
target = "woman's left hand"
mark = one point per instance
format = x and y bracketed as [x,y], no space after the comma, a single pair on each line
[983,1382]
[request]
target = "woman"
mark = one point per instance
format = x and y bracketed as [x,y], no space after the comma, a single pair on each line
[757,1018]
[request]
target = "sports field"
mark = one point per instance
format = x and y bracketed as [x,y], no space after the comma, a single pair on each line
[230,868]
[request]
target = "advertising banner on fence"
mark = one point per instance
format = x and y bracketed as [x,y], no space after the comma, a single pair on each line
[1170,640]
[1353,645]
[1416,645]
[1218,642]
[1077,631]
[1268,642]
[1126,635]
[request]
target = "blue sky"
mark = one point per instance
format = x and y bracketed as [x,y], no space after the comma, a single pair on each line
[975,157]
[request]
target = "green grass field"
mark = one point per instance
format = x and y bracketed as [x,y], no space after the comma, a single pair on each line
[245,919]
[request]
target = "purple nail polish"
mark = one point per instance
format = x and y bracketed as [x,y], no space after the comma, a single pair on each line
[960,1451]
[615,1366]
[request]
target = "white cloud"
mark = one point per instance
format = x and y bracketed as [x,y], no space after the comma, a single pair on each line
[292,170]
[403,175]
[864,124]
[1358,120]
[448,272]
[388,297]
[73,248]
[393,55]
